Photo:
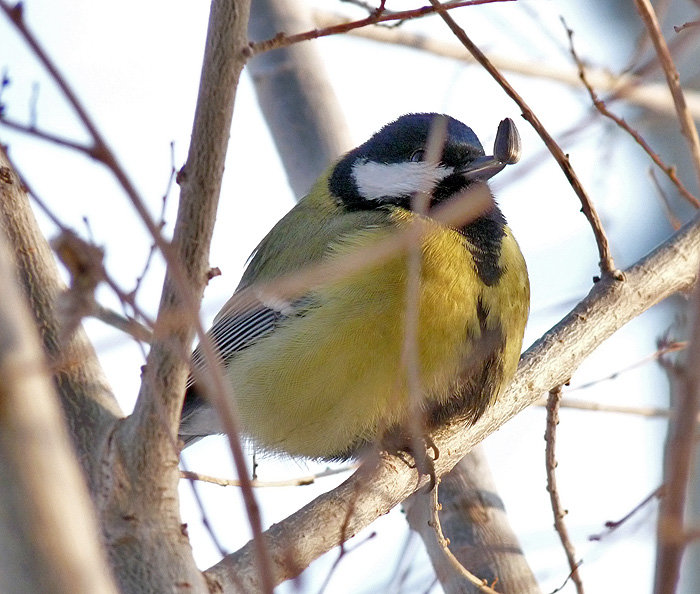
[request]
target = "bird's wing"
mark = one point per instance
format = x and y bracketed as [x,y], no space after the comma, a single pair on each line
[245,319]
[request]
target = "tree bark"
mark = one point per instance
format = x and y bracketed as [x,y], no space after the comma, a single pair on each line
[88,403]
[48,530]
[474,519]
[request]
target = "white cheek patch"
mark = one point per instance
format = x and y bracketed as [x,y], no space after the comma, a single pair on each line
[380,180]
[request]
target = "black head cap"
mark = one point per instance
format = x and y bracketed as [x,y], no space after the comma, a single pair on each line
[402,141]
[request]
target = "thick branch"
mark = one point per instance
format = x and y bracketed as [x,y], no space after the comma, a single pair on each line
[146,446]
[48,531]
[476,524]
[87,400]
[225,54]
[375,489]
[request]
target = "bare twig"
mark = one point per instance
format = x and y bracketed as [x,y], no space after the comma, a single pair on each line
[680,445]
[340,557]
[100,150]
[688,129]
[664,349]
[665,202]
[32,130]
[599,104]
[191,477]
[480,585]
[456,212]
[642,411]
[420,204]
[378,16]
[557,508]
[633,89]
[679,28]
[127,325]
[607,264]
[300,481]
[612,526]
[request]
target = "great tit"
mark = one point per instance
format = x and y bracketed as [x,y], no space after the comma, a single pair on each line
[322,375]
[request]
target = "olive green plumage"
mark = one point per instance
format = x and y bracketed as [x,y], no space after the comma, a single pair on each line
[324,375]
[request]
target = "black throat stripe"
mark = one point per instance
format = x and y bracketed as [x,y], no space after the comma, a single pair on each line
[484,237]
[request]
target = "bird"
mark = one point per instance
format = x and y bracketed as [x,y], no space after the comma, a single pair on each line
[322,374]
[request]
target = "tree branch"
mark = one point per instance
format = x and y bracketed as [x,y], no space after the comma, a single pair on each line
[88,403]
[48,530]
[688,129]
[632,89]
[379,16]
[475,522]
[300,108]
[558,510]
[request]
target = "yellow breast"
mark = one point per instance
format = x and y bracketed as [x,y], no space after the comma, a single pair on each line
[333,377]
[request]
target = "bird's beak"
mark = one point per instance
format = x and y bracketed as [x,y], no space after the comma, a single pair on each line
[506,151]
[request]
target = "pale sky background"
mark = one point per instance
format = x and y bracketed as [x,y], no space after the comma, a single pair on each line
[136,66]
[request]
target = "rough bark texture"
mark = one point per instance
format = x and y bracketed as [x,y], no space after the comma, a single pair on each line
[474,519]
[48,531]
[148,547]
[88,403]
[132,463]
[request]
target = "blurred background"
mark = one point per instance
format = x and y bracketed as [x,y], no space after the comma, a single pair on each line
[136,67]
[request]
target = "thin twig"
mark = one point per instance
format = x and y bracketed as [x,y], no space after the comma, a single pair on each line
[679,28]
[607,264]
[139,331]
[378,16]
[161,220]
[587,405]
[688,129]
[557,508]
[32,130]
[126,324]
[632,88]
[612,526]
[339,558]
[444,543]
[599,104]
[410,357]
[100,149]
[299,481]
[663,349]
[675,222]
[204,518]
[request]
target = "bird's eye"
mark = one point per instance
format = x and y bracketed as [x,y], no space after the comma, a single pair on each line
[417,155]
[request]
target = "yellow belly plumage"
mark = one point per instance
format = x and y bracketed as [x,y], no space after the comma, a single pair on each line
[320,393]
